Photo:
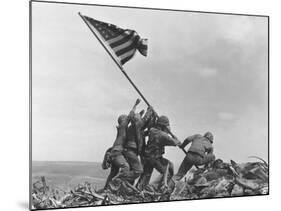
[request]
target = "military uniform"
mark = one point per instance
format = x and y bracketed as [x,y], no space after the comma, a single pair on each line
[153,155]
[119,164]
[135,143]
[199,153]
[106,164]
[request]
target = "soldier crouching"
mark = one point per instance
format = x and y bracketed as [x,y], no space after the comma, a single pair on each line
[201,152]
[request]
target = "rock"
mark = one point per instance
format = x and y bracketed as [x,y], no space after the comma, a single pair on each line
[218,180]
[237,190]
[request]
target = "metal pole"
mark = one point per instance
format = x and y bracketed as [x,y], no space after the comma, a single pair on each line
[114,59]
[121,68]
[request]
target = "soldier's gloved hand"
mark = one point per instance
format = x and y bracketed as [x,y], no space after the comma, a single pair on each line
[137,101]
[181,146]
[178,143]
[150,108]
[174,137]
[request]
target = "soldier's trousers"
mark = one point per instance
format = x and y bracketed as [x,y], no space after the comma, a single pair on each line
[113,172]
[134,163]
[160,164]
[120,166]
[192,159]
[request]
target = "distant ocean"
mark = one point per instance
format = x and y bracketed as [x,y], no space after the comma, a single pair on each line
[68,174]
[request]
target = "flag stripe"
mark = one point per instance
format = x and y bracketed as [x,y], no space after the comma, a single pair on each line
[129,53]
[124,50]
[124,45]
[123,40]
[123,61]
[115,39]
[119,37]
[127,56]
[142,47]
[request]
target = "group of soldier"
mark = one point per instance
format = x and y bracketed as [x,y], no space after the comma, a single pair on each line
[139,148]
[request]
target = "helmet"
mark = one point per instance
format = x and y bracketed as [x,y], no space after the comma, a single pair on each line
[164,121]
[137,116]
[209,136]
[122,118]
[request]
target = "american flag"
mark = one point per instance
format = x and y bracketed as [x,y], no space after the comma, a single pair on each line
[123,42]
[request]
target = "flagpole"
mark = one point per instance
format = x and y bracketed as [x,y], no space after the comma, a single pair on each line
[114,59]
[122,69]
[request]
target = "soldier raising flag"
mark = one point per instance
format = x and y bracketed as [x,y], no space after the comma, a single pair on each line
[121,45]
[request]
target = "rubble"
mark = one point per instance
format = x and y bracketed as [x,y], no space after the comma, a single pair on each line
[218,180]
[224,180]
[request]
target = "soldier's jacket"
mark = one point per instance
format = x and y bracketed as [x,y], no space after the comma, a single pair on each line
[199,144]
[147,117]
[157,141]
[119,142]
[135,134]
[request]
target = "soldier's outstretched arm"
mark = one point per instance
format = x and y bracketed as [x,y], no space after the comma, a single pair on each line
[189,140]
[135,105]
[167,140]
[133,110]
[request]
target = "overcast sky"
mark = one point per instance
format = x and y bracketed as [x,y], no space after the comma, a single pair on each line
[206,72]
